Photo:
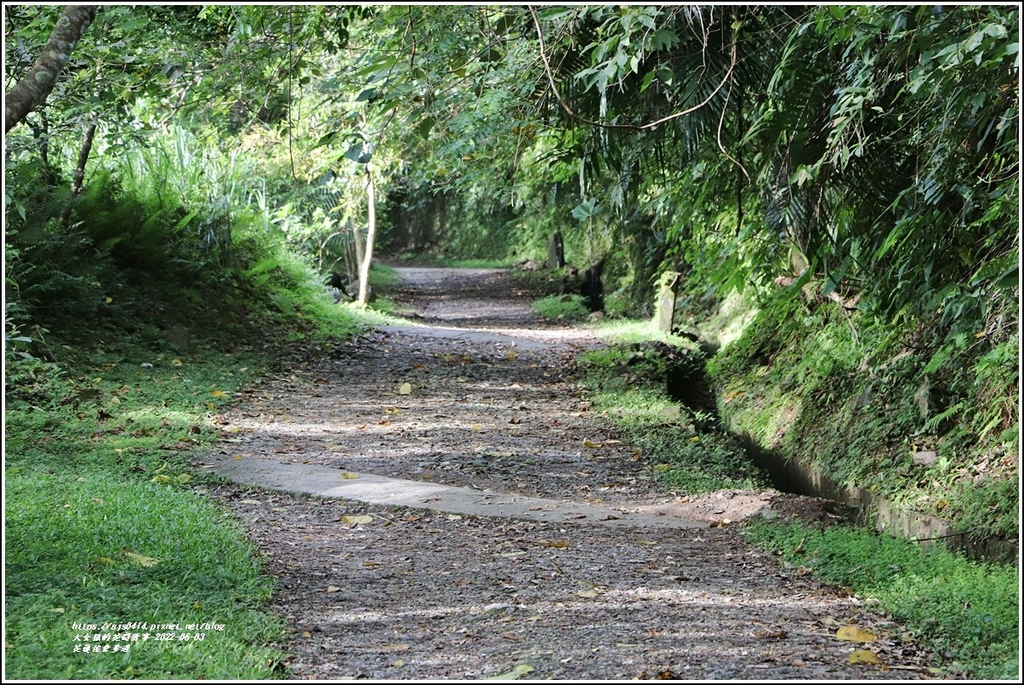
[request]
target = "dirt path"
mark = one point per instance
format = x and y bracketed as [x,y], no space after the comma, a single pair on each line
[479,403]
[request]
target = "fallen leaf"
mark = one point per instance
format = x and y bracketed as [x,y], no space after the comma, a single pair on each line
[357,519]
[348,475]
[405,389]
[557,544]
[218,393]
[454,517]
[306,633]
[590,443]
[855,634]
[141,560]
[238,457]
[864,656]
[398,663]
[161,479]
[520,670]
[104,560]
[333,588]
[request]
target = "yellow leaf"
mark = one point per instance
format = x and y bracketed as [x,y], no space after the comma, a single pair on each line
[398,663]
[357,519]
[211,406]
[218,393]
[238,457]
[183,478]
[864,656]
[108,300]
[695,438]
[405,389]
[162,478]
[176,362]
[520,670]
[557,544]
[855,634]
[590,443]
[477,427]
[141,560]
[306,633]
[348,475]
[333,588]
[512,356]
[104,560]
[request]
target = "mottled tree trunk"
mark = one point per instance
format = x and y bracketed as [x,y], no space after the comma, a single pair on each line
[79,177]
[31,91]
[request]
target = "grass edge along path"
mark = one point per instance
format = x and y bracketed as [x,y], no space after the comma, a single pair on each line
[967,611]
[117,565]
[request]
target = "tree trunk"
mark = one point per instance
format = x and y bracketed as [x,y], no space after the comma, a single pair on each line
[76,181]
[364,268]
[31,91]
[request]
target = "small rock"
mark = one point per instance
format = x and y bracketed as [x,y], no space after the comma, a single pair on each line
[925,458]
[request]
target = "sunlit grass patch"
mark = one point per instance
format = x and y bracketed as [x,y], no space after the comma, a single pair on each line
[684,452]
[959,607]
[93,550]
[103,525]
[561,307]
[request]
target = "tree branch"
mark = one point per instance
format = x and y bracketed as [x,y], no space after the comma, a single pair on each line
[32,90]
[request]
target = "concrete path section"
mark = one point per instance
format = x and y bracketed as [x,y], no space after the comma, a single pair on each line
[323,481]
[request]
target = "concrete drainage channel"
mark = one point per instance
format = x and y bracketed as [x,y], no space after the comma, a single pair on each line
[323,481]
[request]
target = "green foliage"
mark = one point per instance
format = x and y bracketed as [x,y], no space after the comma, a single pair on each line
[561,307]
[858,400]
[963,608]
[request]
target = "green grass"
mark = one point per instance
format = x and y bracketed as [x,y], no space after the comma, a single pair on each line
[967,610]
[97,469]
[68,561]
[686,451]
[561,308]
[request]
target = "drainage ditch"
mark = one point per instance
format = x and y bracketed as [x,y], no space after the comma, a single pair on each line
[687,383]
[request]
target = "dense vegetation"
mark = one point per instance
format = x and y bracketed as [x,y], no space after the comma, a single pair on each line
[837,187]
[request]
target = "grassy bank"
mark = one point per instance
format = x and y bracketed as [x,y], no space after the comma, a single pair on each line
[118,564]
[107,523]
[965,611]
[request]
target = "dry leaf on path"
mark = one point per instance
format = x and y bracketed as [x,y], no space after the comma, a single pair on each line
[855,634]
[864,656]
[357,519]
[405,389]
